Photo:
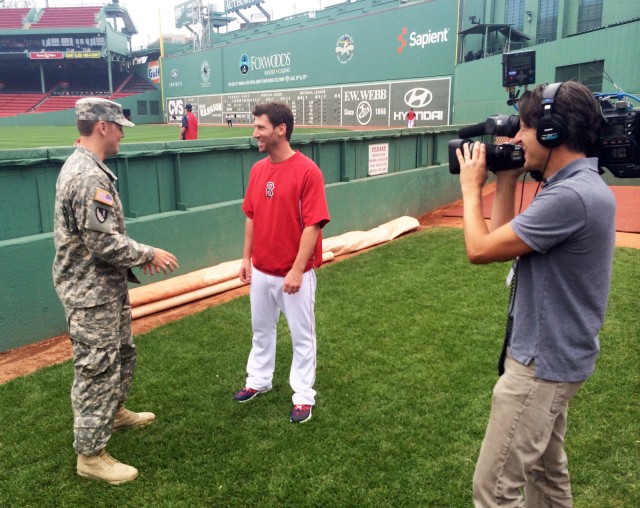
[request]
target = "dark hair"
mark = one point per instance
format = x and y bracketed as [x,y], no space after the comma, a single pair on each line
[575,104]
[278,113]
[85,127]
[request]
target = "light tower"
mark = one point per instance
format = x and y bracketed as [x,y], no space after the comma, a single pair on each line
[200,26]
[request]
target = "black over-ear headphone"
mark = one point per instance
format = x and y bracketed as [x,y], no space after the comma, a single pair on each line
[552,129]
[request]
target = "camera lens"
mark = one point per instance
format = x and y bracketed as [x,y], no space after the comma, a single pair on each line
[499,157]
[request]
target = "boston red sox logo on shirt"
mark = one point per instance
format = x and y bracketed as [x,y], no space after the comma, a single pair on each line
[270,187]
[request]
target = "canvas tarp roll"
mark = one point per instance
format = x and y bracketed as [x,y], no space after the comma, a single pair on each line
[163,296]
[223,277]
[184,283]
[357,240]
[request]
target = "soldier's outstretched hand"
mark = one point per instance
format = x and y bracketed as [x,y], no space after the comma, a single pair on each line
[162,261]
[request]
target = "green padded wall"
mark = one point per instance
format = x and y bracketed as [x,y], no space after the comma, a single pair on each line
[188,201]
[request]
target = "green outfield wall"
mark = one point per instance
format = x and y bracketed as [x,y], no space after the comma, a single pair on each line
[186,198]
[366,63]
[362,42]
[359,64]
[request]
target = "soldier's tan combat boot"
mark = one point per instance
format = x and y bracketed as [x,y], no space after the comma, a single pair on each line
[104,467]
[126,419]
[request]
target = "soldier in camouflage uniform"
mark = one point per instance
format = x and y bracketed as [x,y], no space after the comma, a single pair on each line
[93,262]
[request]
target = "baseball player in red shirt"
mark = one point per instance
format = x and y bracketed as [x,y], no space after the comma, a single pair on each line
[286,209]
[411,118]
[189,129]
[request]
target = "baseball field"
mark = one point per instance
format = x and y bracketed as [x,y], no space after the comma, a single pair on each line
[37,136]
[408,339]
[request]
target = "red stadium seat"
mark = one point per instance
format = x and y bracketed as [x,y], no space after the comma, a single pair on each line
[15,103]
[62,17]
[13,18]
[58,102]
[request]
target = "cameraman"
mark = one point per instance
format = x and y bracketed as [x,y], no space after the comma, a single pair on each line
[562,246]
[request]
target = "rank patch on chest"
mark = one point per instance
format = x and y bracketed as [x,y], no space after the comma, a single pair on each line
[103,196]
[101,214]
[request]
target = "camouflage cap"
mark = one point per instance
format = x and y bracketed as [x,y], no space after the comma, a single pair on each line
[95,109]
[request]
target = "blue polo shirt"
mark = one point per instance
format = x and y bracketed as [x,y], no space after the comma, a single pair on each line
[563,286]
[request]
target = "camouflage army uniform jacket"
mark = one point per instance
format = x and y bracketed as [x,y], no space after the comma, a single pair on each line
[93,252]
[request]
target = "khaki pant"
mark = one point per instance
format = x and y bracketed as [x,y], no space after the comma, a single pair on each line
[524,443]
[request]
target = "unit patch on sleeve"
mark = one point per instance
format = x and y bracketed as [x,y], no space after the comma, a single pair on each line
[101,218]
[101,214]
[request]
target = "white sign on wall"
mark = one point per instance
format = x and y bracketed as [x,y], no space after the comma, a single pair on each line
[378,159]
[235,5]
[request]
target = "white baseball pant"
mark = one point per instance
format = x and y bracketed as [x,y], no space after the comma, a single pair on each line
[267,301]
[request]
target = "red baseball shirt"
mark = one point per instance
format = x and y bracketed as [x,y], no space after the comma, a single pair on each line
[282,199]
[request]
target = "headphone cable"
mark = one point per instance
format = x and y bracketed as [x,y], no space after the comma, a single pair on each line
[524,178]
[543,179]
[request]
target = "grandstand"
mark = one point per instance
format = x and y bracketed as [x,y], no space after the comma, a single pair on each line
[52,56]
[15,103]
[13,18]
[67,17]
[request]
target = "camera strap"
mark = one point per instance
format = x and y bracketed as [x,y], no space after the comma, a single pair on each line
[512,282]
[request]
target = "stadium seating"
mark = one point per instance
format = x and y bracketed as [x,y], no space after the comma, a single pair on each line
[57,103]
[68,17]
[14,103]
[12,18]
[22,82]
[132,85]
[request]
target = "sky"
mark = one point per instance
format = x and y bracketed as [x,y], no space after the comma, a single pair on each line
[146,14]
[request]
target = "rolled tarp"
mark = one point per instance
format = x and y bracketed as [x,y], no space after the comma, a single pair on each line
[181,299]
[153,301]
[184,283]
[357,240]
[223,277]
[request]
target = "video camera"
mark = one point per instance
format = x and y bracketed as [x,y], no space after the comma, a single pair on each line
[499,157]
[618,147]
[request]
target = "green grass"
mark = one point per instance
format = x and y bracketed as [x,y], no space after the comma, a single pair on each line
[408,339]
[39,136]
